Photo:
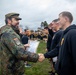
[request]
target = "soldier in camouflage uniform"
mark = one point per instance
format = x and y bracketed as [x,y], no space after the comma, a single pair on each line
[12,52]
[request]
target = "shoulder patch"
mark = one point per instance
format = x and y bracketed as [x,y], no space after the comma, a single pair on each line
[17,41]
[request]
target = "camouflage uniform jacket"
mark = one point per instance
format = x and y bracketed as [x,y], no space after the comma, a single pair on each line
[13,53]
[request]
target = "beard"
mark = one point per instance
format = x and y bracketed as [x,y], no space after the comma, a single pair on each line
[15,28]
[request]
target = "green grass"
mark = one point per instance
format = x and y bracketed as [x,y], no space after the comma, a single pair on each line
[39,68]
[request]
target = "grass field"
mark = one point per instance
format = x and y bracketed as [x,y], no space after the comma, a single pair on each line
[39,68]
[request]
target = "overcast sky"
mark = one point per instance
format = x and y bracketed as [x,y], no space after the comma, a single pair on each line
[33,12]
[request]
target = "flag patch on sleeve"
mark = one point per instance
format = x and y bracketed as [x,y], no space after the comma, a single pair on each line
[17,41]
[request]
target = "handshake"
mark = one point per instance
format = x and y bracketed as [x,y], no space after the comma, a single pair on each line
[41,57]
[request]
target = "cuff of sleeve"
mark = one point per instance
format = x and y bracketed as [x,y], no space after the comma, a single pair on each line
[45,55]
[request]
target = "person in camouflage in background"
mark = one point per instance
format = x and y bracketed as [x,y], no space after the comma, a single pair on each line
[12,52]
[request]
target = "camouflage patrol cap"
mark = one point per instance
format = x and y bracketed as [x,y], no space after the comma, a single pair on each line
[13,15]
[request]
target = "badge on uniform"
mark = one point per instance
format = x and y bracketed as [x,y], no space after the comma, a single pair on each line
[17,41]
[62,41]
[53,37]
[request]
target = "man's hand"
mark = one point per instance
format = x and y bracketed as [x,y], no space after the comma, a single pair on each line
[41,57]
[26,45]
